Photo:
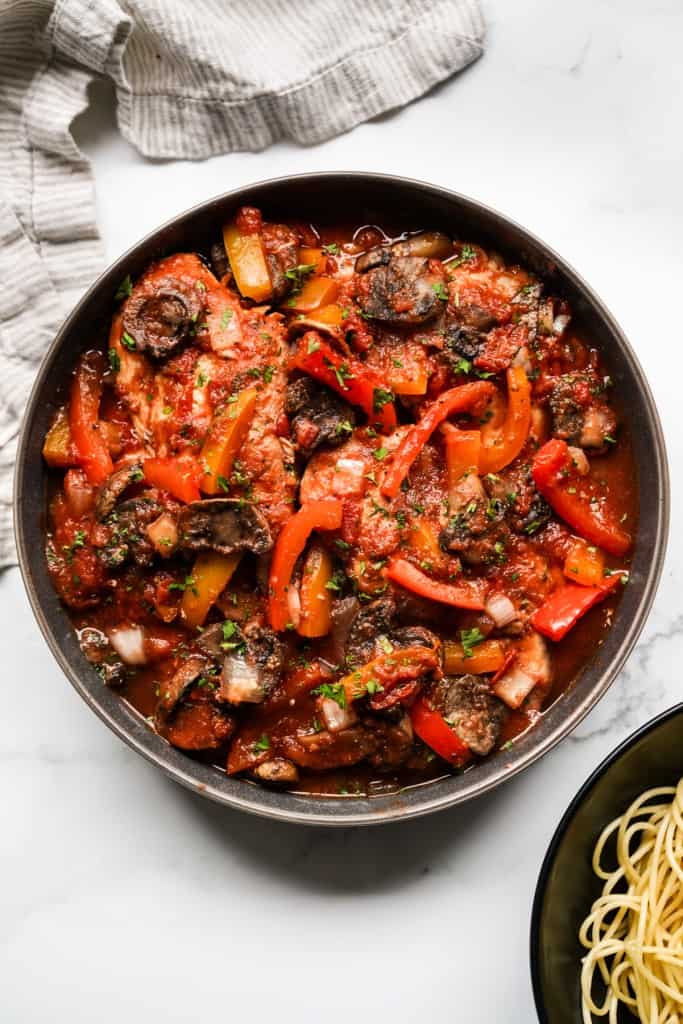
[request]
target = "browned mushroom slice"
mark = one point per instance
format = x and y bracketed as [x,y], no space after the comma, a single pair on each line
[317,416]
[172,693]
[161,314]
[225,525]
[432,245]
[278,772]
[252,666]
[114,486]
[403,291]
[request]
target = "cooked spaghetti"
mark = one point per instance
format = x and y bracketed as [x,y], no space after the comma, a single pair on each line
[634,932]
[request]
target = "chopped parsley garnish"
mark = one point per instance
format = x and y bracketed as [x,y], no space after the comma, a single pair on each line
[201,379]
[341,372]
[334,691]
[114,361]
[226,318]
[335,582]
[127,341]
[386,644]
[200,286]
[373,686]
[332,249]
[77,542]
[343,427]
[262,744]
[313,346]
[463,366]
[299,273]
[222,483]
[124,289]
[232,638]
[187,584]
[440,291]
[136,475]
[381,397]
[466,253]
[380,453]
[469,638]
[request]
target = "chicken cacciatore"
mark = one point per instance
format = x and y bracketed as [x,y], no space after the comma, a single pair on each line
[336,510]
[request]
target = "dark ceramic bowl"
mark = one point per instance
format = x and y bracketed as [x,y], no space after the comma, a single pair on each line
[567,886]
[362,198]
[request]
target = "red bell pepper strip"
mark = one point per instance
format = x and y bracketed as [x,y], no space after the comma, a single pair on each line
[455,400]
[466,594]
[355,382]
[434,730]
[179,476]
[314,515]
[561,488]
[90,447]
[565,606]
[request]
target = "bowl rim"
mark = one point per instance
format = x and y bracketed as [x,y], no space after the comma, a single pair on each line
[558,837]
[338,812]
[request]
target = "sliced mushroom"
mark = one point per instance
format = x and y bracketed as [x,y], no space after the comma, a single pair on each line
[403,290]
[123,534]
[433,245]
[173,692]
[471,710]
[114,486]
[225,525]
[278,772]
[317,416]
[161,314]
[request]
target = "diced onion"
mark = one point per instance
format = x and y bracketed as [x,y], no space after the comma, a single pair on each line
[500,608]
[578,457]
[514,687]
[335,717]
[349,476]
[560,324]
[294,605]
[241,682]
[129,644]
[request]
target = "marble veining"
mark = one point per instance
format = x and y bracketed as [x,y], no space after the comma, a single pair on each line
[124,897]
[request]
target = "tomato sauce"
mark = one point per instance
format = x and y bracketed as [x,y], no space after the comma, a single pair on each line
[283,400]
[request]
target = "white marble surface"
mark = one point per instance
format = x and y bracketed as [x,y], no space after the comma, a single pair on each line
[124,897]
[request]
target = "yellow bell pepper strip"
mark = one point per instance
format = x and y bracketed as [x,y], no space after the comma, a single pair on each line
[466,594]
[333,315]
[349,378]
[435,732]
[487,656]
[179,475]
[397,667]
[316,292]
[311,257]
[226,435]
[416,385]
[462,460]
[210,575]
[584,564]
[315,595]
[460,399]
[248,263]
[91,450]
[565,491]
[565,606]
[424,540]
[313,515]
[58,449]
[501,446]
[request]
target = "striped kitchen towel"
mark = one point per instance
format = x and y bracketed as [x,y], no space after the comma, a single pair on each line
[191,80]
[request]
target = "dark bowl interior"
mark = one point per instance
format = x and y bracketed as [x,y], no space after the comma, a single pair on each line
[567,886]
[335,198]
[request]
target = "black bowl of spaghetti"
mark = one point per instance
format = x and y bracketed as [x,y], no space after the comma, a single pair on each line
[607,921]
